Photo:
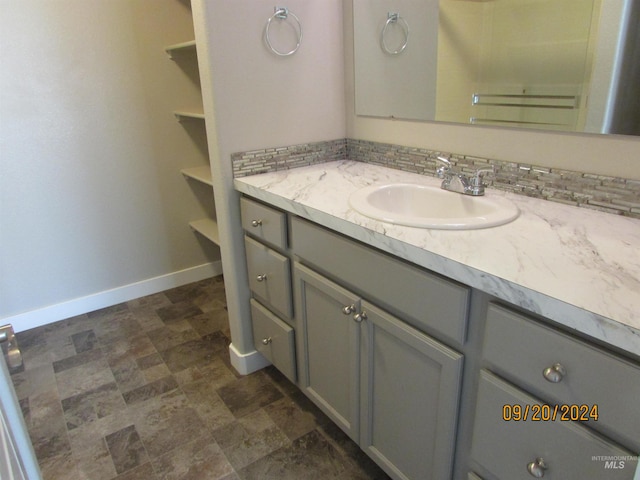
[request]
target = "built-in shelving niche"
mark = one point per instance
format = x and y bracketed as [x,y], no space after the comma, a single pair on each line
[206,227]
[189,114]
[201,174]
[185,56]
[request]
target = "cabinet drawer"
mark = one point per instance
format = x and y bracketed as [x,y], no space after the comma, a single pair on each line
[274,339]
[506,448]
[263,222]
[520,349]
[425,300]
[269,277]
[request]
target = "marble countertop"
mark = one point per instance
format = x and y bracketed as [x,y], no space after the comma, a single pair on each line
[578,267]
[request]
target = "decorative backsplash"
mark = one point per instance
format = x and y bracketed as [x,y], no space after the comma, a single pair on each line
[609,194]
[285,158]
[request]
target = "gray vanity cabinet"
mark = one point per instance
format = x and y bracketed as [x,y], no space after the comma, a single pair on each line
[269,272]
[365,334]
[366,355]
[409,397]
[328,347]
[391,388]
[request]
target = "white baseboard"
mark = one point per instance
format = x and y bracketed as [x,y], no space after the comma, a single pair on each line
[248,362]
[78,306]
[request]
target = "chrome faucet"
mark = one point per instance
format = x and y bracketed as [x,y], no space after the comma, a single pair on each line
[459,182]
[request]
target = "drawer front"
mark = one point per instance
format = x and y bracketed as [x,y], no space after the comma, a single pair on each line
[426,301]
[263,222]
[269,277]
[520,349]
[274,339]
[508,449]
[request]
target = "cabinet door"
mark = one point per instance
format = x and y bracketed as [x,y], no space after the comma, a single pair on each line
[410,391]
[329,347]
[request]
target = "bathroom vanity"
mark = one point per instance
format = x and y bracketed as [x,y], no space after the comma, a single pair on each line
[503,353]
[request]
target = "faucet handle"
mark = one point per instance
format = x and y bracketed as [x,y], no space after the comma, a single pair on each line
[443,169]
[476,180]
[476,185]
[444,160]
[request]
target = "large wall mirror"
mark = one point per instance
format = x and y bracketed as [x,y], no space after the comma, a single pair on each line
[567,65]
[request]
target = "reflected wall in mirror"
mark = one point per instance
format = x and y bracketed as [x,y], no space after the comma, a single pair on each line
[568,65]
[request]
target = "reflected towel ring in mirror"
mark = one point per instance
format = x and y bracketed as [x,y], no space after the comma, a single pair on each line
[397,19]
[282,13]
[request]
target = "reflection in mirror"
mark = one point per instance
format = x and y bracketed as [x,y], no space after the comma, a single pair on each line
[550,64]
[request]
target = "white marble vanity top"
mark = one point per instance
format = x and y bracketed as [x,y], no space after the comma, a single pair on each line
[578,267]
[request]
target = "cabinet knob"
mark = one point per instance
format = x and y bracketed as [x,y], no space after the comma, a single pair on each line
[537,468]
[256,223]
[555,373]
[261,278]
[266,341]
[359,317]
[348,309]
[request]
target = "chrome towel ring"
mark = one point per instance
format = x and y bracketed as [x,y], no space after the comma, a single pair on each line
[282,13]
[394,18]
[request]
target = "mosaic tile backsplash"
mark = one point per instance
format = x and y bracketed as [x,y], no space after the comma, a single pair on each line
[284,158]
[609,194]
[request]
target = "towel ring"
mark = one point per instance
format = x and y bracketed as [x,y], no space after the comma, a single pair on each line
[394,18]
[282,13]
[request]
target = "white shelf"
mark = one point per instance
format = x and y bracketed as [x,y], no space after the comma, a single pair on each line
[183,47]
[208,228]
[201,174]
[189,114]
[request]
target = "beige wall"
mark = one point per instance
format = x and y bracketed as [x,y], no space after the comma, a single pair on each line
[91,195]
[255,99]
[607,155]
[263,100]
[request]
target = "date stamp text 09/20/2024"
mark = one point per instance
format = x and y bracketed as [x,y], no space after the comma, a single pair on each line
[549,413]
[566,413]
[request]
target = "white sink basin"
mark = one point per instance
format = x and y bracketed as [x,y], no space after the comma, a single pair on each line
[416,205]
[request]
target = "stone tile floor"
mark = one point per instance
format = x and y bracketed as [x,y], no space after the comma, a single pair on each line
[144,390]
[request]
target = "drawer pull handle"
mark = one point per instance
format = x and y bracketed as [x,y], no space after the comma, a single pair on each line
[261,278]
[359,317]
[266,341]
[555,373]
[256,223]
[348,309]
[536,469]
